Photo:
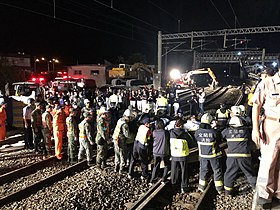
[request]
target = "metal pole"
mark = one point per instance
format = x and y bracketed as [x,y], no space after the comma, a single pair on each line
[263,56]
[34,64]
[159,57]
[53,8]
[48,65]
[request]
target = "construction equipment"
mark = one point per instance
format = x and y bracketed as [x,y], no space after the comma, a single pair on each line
[198,77]
[124,73]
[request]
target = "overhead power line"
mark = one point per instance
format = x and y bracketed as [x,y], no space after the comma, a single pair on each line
[220,13]
[131,16]
[235,16]
[74,23]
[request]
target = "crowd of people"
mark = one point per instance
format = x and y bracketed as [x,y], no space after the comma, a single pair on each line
[144,126]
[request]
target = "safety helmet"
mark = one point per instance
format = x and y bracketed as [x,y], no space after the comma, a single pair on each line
[235,122]
[86,101]
[236,110]
[103,110]
[206,118]
[242,108]
[127,113]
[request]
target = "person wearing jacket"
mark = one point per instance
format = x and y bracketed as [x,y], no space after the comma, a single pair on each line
[180,143]
[120,136]
[58,129]
[238,154]
[102,137]
[161,151]
[36,122]
[209,153]
[72,135]
[85,139]
[47,129]
[140,149]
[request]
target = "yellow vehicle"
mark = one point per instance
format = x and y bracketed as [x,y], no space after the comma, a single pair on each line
[201,77]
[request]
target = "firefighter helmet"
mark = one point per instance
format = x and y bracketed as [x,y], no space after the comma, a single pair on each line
[206,118]
[127,113]
[235,122]
[236,110]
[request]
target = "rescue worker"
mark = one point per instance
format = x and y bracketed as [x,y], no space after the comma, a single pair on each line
[161,151]
[85,139]
[120,135]
[235,111]
[58,129]
[266,135]
[161,105]
[26,112]
[47,129]
[222,116]
[244,117]
[201,100]
[238,154]
[140,149]
[36,122]
[113,108]
[133,128]
[193,104]
[210,153]
[3,118]
[102,138]
[180,143]
[72,135]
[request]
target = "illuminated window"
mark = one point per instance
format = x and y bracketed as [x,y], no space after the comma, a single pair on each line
[94,72]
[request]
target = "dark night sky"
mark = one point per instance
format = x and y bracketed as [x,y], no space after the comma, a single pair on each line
[90,32]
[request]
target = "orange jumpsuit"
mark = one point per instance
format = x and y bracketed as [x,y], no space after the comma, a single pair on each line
[3,117]
[58,128]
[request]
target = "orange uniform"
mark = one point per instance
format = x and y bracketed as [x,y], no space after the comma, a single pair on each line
[58,128]
[3,117]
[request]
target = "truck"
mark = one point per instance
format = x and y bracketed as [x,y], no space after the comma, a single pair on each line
[124,74]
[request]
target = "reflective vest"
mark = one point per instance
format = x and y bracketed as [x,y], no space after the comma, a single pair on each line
[118,128]
[207,143]
[82,134]
[46,120]
[179,147]
[70,122]
[162,102]
[222,116]
[237,141]
[141,136]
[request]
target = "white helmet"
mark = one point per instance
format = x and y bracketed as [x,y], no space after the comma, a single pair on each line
[242,108]
[235,122]
[102,110]
[236,110]
[127,113]
[86,101]
[206,118]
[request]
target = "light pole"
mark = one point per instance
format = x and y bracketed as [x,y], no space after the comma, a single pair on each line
[43,59]
[53,61]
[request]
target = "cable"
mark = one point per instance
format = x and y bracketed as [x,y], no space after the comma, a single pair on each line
[135,18]
[235,16]
[220,14]
[83,15]
[114,19]
[163,10]
[74,23]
